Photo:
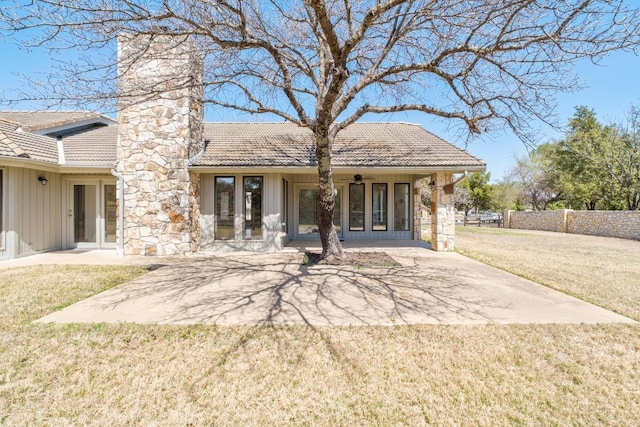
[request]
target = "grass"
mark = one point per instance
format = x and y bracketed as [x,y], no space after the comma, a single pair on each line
[603,271]
[129,374]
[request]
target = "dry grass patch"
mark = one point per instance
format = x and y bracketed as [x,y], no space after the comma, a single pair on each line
[600,270]
[195,375]
[28,293]
[481,375]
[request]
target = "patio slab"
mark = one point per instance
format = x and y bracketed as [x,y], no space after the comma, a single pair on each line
[275,289]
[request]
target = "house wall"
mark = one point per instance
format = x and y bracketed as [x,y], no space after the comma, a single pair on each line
[342,181]
[271,221]
[32,212]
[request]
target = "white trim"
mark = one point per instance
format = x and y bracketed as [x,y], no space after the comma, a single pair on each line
[61,157]
[99,219]
[72,125]
[308,170]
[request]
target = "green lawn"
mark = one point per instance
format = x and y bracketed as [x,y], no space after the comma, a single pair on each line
[195,375]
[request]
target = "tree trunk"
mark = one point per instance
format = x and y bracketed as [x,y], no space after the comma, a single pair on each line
[331,246]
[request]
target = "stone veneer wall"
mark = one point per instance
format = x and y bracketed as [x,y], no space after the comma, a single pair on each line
[160,128]
[540,220]
[443,214]
[621,224]
[417,210]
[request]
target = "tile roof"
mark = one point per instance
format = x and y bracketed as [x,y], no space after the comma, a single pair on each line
[37,120]
[391,145]
[14,143]
[95,147]
[361,144]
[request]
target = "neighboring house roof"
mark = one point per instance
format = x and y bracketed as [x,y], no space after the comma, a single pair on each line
[389,145]
[359,145]
[31,121]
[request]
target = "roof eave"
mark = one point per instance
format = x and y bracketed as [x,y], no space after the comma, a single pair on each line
[339,169]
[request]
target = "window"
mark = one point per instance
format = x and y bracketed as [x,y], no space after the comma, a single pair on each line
[224,189]
[356,207]
[401,207]
[252,207]
[110,216]
[379,211]
[308,211]
[284,208]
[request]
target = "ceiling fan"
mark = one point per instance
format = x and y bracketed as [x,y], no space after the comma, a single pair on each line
[357,179]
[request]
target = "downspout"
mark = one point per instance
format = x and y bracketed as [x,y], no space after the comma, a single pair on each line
[120,250]
[460,179]
[448,189]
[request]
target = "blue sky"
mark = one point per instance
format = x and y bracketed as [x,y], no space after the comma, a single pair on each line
[612,88]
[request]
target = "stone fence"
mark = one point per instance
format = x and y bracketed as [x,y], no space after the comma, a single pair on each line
[621,224]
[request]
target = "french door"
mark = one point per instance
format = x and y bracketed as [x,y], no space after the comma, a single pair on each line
[306,198]
[92,214]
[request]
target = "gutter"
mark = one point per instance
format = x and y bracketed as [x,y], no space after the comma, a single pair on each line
[120,250]
[460,179]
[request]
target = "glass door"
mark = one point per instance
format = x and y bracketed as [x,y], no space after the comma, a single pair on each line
[109,216]
[84,214]
[92,215]
[307,224]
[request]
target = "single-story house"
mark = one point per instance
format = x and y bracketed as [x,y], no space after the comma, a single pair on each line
[158,180]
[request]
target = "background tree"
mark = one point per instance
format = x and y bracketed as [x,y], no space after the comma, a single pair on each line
[462,199]
[597,166]
[324,64]
[533,174]
[474,192]
[506,194]
[576,159]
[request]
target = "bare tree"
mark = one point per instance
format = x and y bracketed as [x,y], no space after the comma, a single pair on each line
[323,64]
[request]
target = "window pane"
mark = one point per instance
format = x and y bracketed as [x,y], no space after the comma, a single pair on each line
[253,207]
[356,207]
[84,213]
[284,208]
[308,211]
[110,223]
[225,212]
[401,207]
[379,211]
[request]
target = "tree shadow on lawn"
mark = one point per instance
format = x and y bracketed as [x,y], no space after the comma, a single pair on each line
[275,289]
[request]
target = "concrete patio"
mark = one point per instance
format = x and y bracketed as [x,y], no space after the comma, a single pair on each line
[276,289]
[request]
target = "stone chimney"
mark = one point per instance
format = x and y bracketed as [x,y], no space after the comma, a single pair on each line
[160,127]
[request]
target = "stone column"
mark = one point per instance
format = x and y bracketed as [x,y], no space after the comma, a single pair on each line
[443,213]
[417,211]
[160,120]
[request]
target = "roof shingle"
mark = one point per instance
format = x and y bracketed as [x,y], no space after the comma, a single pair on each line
[386,145]
[361,144]
[37,147]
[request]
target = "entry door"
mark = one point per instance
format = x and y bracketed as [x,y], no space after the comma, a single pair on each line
[307,213]
[84,215]
[92,215]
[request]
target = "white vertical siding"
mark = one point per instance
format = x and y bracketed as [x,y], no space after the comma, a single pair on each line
[271,200]
[32,212]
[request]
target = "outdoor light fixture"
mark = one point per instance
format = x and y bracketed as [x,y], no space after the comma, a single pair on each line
[432,184]
[357,178]
[43,180]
